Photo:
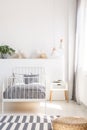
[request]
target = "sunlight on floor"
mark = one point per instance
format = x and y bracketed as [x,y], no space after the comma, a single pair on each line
[51,105]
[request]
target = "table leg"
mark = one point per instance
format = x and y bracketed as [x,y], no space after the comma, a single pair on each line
[66,95]
[51,95]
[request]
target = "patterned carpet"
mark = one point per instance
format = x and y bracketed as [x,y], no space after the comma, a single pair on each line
[26,122]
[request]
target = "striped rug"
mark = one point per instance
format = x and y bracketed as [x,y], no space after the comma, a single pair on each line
[26,122]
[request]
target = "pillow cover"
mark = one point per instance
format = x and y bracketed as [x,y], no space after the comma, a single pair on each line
[18,78]
[31,78]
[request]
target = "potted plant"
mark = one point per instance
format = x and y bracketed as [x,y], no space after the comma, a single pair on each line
[6,51]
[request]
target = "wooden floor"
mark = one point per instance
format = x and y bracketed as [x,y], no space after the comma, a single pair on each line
[61,108]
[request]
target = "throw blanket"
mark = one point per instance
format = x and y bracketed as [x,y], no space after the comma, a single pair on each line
[25,91]
[23,122]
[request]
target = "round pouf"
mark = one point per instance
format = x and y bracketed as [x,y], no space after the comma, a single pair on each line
[69,123]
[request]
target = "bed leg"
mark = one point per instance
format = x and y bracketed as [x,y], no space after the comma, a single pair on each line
[2,107]
[2,98]
[45,107]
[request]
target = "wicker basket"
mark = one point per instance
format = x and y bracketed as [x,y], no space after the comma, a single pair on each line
[69,123]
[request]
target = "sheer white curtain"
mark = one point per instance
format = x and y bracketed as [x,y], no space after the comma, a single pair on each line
[84,65]
[81,45]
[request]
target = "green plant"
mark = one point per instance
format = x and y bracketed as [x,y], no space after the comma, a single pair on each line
[5,49]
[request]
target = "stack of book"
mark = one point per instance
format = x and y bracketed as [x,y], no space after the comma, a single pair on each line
[59,84]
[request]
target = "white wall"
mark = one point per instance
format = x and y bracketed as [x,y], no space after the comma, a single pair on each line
[31,25]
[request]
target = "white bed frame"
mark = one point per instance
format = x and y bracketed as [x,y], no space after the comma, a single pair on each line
[25,70]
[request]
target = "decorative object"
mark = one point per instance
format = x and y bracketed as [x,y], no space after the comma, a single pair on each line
[61,44]
[19,55]
[6,51]
[69,123]
[42,54]
[60,50]
[54,53]
[57,51]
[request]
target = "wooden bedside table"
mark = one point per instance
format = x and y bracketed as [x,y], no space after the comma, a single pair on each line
[62,86]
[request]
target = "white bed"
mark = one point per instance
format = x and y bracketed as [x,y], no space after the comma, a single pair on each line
[25,84]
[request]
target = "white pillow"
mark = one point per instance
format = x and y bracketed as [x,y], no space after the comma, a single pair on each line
[18,78]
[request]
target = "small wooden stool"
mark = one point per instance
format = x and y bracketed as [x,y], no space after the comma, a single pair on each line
[69,123]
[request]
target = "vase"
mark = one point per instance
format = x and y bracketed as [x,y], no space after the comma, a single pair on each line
[3,56]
